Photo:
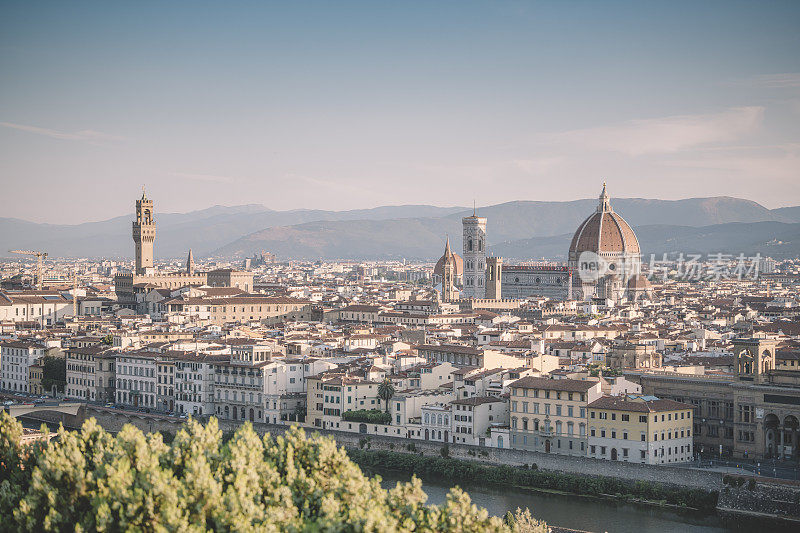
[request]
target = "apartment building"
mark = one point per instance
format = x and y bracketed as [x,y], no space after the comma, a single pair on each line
[331,394]
[16,358]
[473,416]
[137,379]
[640,429]
[35,375]
[165,388]
[550,415]
[194,382]
[91,373]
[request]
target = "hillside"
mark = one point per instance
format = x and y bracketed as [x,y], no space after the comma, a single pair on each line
[775,239]
[411,231]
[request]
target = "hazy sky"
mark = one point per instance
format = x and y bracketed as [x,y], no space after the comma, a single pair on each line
[341,105]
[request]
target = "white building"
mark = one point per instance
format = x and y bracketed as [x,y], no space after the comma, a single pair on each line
[43,307]
[16,357]
[136,379]
[194,383]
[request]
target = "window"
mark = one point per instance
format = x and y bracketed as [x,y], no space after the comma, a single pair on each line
[626,418]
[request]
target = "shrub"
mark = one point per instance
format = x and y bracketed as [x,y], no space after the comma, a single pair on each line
[91,480]
[368,416]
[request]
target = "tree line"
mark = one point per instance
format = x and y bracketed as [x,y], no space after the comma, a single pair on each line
[91,480]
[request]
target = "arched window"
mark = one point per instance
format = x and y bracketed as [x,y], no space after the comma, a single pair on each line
[514,422]
[480,245]
[446,420]
[439,420]
[469,245]
[427,418]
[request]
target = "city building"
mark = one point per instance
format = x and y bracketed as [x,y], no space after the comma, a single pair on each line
[90,372]
[640,429]
[16,358]
[550,415]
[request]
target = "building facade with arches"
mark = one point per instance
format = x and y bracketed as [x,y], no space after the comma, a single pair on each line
[752,414]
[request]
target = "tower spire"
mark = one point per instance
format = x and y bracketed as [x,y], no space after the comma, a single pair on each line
[190,263]
[604,204]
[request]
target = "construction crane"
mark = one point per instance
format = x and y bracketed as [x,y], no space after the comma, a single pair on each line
[40,256]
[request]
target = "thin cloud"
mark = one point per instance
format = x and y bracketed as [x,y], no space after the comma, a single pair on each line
[778,163]
[666,135]
[776,81]
[82,135]
[208,178]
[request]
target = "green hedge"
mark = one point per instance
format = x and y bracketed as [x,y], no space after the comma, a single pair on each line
[370,416]
[457,470]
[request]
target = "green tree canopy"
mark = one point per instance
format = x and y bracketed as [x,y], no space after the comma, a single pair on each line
[54,372]
[90,480]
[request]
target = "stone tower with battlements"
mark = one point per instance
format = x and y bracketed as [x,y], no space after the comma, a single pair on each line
[494,278]
[144,233]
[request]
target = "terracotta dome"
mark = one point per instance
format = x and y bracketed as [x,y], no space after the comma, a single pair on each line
[604,232]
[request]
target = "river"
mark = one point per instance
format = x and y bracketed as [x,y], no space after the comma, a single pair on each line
[575,512]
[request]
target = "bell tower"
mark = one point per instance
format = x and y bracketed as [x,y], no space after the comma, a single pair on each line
[474,256]
[144,233]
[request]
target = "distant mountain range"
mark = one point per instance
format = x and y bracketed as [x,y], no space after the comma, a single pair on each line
[774,239]
[517,230]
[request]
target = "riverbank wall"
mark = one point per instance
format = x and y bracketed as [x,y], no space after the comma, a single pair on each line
[760,498]
[113,420]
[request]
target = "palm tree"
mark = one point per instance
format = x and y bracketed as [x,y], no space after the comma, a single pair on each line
[386,391]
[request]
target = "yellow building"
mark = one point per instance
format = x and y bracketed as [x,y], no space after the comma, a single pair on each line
[35,374]
[640,429]
[550,415]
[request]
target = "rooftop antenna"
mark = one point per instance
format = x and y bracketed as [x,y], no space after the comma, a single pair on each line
[473,207]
